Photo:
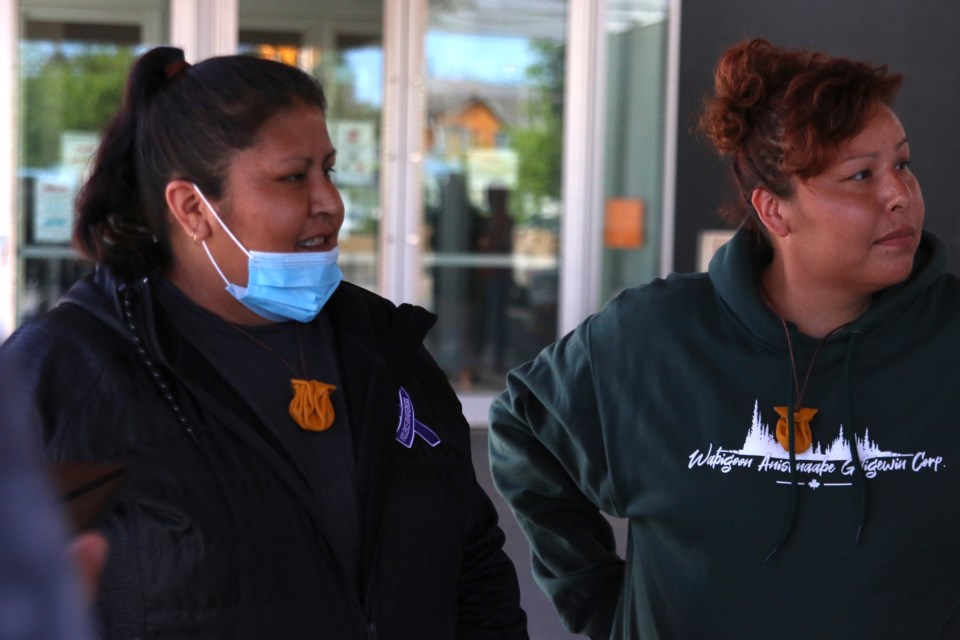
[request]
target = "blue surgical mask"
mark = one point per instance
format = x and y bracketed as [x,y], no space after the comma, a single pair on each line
[282,286]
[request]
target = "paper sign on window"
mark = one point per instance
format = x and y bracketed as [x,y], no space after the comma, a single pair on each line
[53,209]
[623,225]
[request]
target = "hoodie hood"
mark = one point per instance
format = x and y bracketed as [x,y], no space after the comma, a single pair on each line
[736,267]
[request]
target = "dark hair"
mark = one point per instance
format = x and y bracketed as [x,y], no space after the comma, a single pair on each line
[175,121]
[776,114]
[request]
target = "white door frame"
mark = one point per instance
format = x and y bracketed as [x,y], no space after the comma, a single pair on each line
[204,28]
[584,124]
[402,153]
[9,147]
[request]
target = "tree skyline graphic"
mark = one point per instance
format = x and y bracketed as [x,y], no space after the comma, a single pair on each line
[762,442]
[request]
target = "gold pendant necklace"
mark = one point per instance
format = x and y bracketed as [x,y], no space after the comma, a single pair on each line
[311,407]
[802,434]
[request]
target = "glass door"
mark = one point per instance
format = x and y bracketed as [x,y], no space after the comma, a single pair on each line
[341,44]
[492,183]
[73,65]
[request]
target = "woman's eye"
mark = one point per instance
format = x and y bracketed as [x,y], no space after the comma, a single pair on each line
[295,177]
[861,175]
[903,165]
[329,172]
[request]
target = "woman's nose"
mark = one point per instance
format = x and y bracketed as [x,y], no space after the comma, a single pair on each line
[899,189]
[325,198]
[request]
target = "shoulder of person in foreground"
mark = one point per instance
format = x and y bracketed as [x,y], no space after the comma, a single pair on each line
[40,595]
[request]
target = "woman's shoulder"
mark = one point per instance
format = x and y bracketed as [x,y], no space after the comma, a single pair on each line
[663,297]
[65,346]
[351,294]
[363,311]
[58,360]
[65,327]
[360,310]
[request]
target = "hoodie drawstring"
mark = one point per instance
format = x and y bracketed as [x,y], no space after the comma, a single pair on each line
[863,490]
[854,450]
[794,480]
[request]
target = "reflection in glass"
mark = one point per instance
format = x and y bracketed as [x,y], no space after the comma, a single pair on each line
[341,45]
[492,183]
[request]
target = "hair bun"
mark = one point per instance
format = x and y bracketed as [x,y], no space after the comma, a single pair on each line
[747,80]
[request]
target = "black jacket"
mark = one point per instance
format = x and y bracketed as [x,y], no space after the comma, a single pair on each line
[213,535]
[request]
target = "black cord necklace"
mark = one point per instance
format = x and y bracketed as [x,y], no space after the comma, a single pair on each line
[802,416]
[310,407]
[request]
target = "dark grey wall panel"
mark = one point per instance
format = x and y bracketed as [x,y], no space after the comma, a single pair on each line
[919,38]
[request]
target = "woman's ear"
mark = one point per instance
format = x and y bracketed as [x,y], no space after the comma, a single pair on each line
[188,209]
[770,209]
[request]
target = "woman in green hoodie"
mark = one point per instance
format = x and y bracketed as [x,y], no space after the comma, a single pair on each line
[777,431]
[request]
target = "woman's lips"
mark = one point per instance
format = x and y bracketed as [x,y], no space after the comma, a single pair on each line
[900,237]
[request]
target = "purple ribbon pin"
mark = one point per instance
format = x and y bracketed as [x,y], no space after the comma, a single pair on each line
[409,427]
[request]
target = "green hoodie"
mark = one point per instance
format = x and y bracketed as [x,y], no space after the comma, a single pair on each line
[660,409]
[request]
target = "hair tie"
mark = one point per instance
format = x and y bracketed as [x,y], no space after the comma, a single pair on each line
[174,68]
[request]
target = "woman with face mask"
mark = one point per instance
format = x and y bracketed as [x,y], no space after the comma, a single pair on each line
[778,432]
[297,464]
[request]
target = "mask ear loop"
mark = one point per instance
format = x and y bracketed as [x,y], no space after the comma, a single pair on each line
[223,226]
[203,243]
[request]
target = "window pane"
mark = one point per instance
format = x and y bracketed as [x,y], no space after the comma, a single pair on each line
[495,72]
[73,65]
[341,44]
[633,175]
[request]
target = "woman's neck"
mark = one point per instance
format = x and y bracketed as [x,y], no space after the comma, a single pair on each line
[814,309]
[191,272]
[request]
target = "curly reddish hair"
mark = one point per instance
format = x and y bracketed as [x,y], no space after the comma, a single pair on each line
[777,114]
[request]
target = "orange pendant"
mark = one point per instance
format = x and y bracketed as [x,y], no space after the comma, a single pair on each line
[802,436]
[311,407]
